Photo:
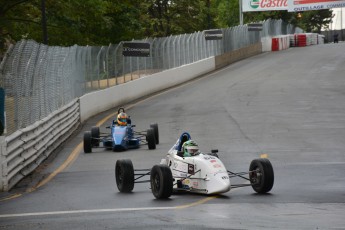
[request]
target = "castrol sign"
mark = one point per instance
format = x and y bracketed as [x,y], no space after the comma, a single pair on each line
[264,5]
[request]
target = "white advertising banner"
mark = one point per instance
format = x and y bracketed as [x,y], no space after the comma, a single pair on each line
[264,5]
[304,5]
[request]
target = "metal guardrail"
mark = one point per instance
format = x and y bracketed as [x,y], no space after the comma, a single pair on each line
[27,148]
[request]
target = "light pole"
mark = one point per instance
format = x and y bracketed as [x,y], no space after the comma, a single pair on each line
[241,13]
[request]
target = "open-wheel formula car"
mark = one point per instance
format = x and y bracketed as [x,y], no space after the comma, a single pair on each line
[202,173]
[121,137]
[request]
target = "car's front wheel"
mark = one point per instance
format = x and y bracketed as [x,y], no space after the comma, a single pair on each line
[124,175]
[261,175]
[161,181]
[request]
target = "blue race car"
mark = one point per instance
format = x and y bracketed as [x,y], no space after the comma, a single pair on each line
[121,137]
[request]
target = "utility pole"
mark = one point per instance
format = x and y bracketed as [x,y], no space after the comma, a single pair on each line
[241,13]
[44,22]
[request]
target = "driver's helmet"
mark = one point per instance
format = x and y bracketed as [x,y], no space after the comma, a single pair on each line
[122,119]
[190,148]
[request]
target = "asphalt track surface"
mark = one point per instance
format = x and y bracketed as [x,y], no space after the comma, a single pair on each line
[288,106]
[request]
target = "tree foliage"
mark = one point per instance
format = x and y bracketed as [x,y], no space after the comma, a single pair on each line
[314,21]
[100,22]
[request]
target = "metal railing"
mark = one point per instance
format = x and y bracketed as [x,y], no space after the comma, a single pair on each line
[40,79]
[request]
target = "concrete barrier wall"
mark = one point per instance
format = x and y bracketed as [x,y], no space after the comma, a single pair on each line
[266,44]
[236,55]
[99,101]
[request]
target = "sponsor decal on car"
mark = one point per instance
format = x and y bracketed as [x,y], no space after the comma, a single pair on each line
[186,182]
[119,132]
[190,168]
[180,166]
[209,157]
[217,166]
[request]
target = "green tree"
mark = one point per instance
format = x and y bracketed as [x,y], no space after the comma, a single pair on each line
[227,13]
[314,21]
[166,17]
[12,14]
[100,22]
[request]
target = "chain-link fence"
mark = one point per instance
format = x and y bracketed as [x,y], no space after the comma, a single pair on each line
[40,79]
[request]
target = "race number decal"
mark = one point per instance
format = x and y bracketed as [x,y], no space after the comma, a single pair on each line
[190,169]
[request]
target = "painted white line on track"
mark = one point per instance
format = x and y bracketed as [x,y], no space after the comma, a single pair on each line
[83,211]
[202,201]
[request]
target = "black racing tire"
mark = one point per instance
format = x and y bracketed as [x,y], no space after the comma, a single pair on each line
[87,142]
[261,175]
[124,175]
[161,181]
[150,138]
[155,129]
[95,135]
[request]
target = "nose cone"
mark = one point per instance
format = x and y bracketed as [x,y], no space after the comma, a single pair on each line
[219,183]
[119,148]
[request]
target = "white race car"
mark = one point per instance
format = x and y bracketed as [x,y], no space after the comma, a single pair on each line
[203,173]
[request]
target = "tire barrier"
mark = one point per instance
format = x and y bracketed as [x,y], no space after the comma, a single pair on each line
[275,44]
[301,40]
[280,43]
[24,150]
[306,39]
[283,42]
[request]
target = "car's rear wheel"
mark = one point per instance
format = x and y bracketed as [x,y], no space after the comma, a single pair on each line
[150,138]
[155,129]
[124,175]
[261,175]
[161,181]
[95,135]
[87,142]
